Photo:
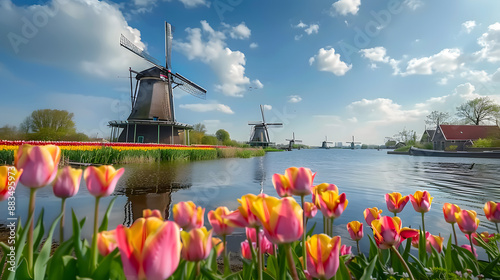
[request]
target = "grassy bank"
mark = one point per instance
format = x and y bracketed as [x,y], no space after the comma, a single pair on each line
[114,153]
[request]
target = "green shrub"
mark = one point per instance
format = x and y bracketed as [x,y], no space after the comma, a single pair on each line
[451,148]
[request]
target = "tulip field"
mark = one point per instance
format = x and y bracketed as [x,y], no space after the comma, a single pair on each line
[112,153]
[280,243]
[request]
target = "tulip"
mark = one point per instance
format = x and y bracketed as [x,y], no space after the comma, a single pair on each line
[282,185]
[485,236]
[345,250]
[492,212]
[355,230]
[435,241]
[39,165]
[149,249]
[188,216]
[310,210]
[9,176]
[421,202]
[101,181]
[218,245]
[243,217]
[66,184]
[323,255]
[395,202]
[106,242]
[219,223]
[449,211]
[245,250]
[470,249]
[300,180]
[467,222]
[266,245]
[318,189]
[332,205]
[372,214]
[197,244]
[415,240]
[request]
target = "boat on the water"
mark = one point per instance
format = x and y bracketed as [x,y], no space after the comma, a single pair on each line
[434,153]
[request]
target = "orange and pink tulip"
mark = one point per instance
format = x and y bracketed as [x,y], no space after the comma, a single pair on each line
[281,219]
[220,225]
[150,248]
[355,230]
[372,214]
[197,244]
[67,182]
[310,210]
[188,216]
[492,211]
[39,164]
[9,176]
[421,201]
[449,211]
[245,250]
[106,242]
[485,236]
[265,245]
[387,232]
[332,205]
[218,246]
[243,216]
[318,189]
[434,241]
[467,221]
[323,255]
[282,185]
[300,179]
[396,202]
[101,181]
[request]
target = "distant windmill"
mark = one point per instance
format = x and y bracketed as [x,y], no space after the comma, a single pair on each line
[292,141]
[352,143]
[152,117]
[325,143]
[260,134]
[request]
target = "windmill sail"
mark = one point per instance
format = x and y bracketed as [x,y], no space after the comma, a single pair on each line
[168,45]
[124,42]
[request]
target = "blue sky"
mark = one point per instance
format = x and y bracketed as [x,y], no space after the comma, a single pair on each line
[323,68]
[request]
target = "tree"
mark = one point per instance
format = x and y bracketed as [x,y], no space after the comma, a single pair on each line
[48,124]
[222,135]
[199,127]
[9,133]
[406,136]
[436,117]
[196,136]
[478,110]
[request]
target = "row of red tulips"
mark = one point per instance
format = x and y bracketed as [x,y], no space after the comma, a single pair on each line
[97,144]
[152,248]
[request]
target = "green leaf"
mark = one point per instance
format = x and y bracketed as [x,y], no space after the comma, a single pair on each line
[367,275]
[104,223]
[422,253]
[40,265]
[20,245]
[487,271]
[310,232]
[102,270]
[209,274]
[116,270]
[54,269]
[448,258]
[418,268]
[272,266]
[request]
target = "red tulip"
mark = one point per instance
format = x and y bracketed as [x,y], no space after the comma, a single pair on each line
[492,211]
[67,182]
[421,201]
[101,181]
[395,202]
[449,211]
[39,164]
[467,221]
[387,232]
[9,176]
[372,214]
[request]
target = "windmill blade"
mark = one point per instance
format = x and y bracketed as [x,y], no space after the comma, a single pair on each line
[255,123]
[275,124]
[124,42]
[298,141]
[168,45]
[188,86]
[262,112]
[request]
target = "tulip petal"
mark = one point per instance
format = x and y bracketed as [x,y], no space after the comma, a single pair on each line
[158,265]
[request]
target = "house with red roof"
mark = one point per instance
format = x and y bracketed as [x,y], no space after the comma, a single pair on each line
[447,135]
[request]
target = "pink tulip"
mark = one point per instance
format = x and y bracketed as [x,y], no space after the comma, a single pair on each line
[197,244]
[468,247]
[301,180]
[467,221]
[332,205]
[387,232]
[266,245]
[188,216]
[149,249]
[282,185]
[355,230]
[485,236]
[310,210]
[318,189]
[219,223]
[371,214]
[218,246]
[449,211]
[435,241]
[281,218]
[345,250]
[9,176]
[245,250]
[101,181]
[39,164]
[323,255]
[106,242]
[421,201]
[244,217]
[492,211]
[395,202]
[67,182]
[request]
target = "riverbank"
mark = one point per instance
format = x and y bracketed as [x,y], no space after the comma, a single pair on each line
[123,153]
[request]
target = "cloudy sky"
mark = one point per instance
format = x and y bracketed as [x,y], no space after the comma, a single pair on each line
[322,67]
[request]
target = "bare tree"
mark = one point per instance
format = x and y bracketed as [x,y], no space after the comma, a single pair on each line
[478,110]
[436,117]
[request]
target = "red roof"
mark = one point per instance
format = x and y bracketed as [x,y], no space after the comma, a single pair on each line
[469,132]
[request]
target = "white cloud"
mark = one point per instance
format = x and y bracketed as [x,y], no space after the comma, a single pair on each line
[81,36]
[445,61]
[329,61]
[267,107]
[313,28]
[382,111]
[377,54]
[202,108]
[209,46]
[345,7]
[490,41]
[301,25]
[298,37]
[496,76]
[476,76]
[469,25]
[195,3]
[414,4]
[257,84]
[241,31]
[254,45]
[294,98]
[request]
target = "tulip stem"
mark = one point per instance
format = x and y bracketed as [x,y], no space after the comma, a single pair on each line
[226,259]
[259,253]
[324,225]
[61,224]
[357,244]
[304,232]
[471,244]
[403,261]
[395,214]
[291,263]
[198,268]
[496,224]
[454,233]
[331,226]
[93,251]
[423,223]
[30,232]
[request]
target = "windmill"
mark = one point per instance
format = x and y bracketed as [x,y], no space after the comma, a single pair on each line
[352,143]
[260,134]
[292,141]
[325,143]
[152,116]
